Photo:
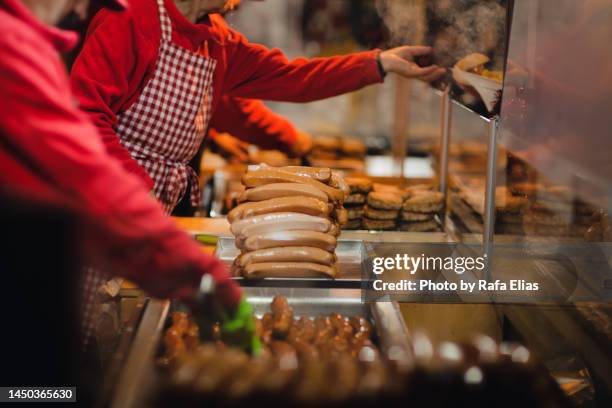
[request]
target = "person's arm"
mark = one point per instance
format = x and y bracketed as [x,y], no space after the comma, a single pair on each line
[127,231]
[255,71]
[230,147]
[102,74]
[251,121]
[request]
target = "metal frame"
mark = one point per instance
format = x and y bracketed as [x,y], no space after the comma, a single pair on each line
[488,233]
[446,113]
[445,132]
[401,117]
[133,379]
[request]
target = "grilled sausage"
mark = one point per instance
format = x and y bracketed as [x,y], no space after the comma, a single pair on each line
[275,190]
[337,181]
[220,370]
[282,349]
[322,323]
[341,215]
[192,336]
[345,372]
[374,377]
[266,321]
[287,254]
[266,325]
[360,324]
[309,330]
[322,174]
[313,382]
[216,331]
[324,332]
[266,337]
[174,344]
[295,334]
[359,340]
[279,222]
[305,205]
[291,238]
[304,349]
[338,346]
[269,176]
[335,230]
[180,322]
[282,317]
[189,367]
[282,374]
[246,380]
[288,270]
[341,326]
[174,338]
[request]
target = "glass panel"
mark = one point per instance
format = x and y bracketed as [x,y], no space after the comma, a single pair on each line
[454,29]
[467,169]
[557,106]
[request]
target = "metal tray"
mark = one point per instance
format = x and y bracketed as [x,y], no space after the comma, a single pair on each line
[351,257]
[139,378]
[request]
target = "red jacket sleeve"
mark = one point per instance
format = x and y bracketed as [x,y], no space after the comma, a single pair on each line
[252,121]
[103,78]
[130,234]
[255,71]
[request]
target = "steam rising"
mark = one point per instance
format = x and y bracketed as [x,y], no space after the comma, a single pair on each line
[454,28]
[405,20]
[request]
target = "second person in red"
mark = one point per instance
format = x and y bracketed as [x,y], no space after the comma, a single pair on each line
[238,123]
[151,79]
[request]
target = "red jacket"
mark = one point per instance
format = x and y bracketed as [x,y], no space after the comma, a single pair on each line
[252,121]
[121,50]
[49,148]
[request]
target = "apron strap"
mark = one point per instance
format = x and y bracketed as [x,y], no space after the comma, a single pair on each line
[182,176]
[195,194]
[91,281]
[164,19]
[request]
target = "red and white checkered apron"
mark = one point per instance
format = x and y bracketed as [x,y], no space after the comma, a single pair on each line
[91,282]
[163,131]
[164,128]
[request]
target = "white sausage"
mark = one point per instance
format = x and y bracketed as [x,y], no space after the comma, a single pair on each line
[295,221]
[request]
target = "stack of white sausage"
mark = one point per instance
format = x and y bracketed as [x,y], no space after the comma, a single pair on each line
[287,222]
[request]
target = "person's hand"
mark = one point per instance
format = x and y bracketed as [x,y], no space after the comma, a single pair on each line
[238,328]
[232,147]
[400,61]
[302,145]
[212,307]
